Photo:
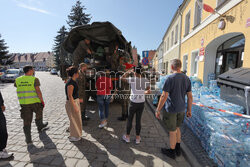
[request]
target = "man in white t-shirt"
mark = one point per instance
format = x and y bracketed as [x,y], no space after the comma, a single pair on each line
[139,87]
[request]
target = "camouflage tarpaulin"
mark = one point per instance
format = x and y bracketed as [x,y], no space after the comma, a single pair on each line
[99,32]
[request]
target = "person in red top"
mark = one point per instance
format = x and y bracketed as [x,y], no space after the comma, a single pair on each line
[104,86]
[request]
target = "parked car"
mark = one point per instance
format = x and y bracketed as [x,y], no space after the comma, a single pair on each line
[11,74]
[53,72]
[2,71]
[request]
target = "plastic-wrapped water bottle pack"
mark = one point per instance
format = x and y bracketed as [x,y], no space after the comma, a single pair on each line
[225,137]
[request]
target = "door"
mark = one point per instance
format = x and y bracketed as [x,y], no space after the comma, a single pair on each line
[231,61]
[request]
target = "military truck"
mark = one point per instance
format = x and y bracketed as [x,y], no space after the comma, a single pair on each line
[110,50]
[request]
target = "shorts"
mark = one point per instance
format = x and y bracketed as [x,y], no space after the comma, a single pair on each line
[173,120]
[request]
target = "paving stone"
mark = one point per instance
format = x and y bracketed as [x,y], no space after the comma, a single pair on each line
[71,162]
[71,154]
[99,147]
[57,161]
[82,163]
[20,164]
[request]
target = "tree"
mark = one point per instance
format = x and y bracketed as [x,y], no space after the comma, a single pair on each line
[77,16]
[4,58]
[57,48]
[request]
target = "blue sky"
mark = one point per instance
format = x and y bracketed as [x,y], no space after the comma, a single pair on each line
[31,25]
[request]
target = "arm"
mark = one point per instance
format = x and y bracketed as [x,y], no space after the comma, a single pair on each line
[125,76]
[39,93]
[162,101]
[190,102]
[70,89]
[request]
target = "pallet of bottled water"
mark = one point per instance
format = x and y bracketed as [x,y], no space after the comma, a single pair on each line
[225,137]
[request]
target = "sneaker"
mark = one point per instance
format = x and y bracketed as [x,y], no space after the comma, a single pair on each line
[169,152]
[72,139]
[4,154]
[127,140]
[138,141]
[102,125]
[178,149]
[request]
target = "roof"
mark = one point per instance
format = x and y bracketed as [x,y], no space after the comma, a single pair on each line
[99,32]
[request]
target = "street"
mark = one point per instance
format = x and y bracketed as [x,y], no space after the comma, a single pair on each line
[99,147]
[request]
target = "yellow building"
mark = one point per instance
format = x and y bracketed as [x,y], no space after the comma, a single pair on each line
[215,43]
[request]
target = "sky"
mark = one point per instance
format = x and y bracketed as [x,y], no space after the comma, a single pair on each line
[31,25]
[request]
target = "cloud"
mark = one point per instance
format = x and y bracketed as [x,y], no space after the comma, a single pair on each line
[22,5]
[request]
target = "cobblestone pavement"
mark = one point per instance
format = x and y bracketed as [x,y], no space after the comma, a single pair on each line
[99,147]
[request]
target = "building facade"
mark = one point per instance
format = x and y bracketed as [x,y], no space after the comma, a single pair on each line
[213,43]
[171,42]
[135,56]
[40,61]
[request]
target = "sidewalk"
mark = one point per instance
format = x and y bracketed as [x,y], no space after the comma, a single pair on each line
[99,147]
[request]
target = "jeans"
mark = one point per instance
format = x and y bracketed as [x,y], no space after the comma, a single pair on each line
[135,108]
[103,104]
[3,132]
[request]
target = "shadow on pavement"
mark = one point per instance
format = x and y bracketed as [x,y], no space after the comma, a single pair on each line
[110,139]
[46,155]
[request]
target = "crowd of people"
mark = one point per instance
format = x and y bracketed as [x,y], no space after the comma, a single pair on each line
[176,87]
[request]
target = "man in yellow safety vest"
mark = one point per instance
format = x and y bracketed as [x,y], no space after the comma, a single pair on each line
[31,100]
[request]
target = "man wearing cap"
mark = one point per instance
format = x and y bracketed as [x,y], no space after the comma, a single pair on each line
[81,81]
[31,100]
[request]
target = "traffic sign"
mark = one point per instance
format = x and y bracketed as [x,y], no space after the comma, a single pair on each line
[144,53]
[145,61]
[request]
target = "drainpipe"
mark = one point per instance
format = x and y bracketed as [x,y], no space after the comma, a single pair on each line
[247,89]
[180,13]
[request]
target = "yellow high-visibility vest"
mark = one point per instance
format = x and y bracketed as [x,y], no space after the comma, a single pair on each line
[26,91]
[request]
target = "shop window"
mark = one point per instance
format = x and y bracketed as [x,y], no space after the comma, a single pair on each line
[176,34]
[198,12]
[187,23]
[185,63]
[194,64]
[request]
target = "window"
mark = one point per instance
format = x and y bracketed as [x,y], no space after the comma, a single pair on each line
[166,69]
[187,24]
[168,43]
[198,12]
[176,34]
[172,38]
[185,63]
[220,2]
[194,64]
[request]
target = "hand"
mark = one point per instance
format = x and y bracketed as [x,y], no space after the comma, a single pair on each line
[3,108]
[189,114]
[157,114]
[43,104]
[81,100]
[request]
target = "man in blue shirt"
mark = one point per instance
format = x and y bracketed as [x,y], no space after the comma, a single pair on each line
[176,87]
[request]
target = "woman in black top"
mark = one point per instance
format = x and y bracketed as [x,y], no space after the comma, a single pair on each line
[73,105]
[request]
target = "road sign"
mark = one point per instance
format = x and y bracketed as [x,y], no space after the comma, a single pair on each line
[145,61]
[144,53]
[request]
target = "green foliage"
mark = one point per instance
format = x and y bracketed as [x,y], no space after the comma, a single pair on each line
[77,16]
[59,39]
[4,58]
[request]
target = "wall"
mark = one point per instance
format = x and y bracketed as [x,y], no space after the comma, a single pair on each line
[208,30]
